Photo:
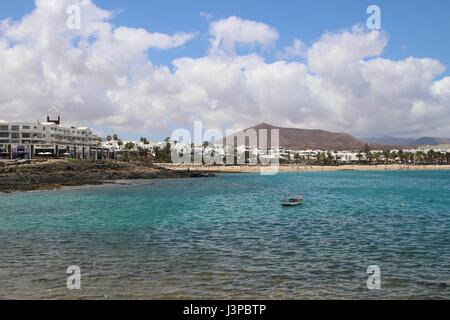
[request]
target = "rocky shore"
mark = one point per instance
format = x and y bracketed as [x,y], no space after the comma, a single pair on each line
[53,174]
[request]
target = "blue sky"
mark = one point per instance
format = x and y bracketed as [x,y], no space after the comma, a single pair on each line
[415,28]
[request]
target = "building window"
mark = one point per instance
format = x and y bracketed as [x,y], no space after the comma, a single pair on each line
[26,127]
[4,135]
[4,128]
[14,128]
[15,136]
[25,135]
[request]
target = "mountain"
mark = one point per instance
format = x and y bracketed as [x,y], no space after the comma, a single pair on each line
[403,142]
[391,141]
[302,139]
[432,141]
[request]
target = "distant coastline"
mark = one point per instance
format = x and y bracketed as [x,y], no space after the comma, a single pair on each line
[296,168]
[28,175]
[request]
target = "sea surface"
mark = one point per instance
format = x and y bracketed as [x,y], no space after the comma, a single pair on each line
[227,237]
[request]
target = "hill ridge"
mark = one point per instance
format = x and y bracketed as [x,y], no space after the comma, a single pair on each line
[303,139]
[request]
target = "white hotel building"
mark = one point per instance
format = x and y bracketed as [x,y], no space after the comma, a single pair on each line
[33,140]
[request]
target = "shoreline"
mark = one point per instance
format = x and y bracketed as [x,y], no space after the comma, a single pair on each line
[23,176]
[295,168]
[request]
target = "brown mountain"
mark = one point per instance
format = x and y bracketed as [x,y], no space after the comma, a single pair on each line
[302,139]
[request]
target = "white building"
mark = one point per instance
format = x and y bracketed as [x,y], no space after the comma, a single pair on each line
[26,140]
[113,146]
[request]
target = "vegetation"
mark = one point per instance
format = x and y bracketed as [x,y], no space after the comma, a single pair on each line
[144,140]
[366,156]
[129,146]
[163,155]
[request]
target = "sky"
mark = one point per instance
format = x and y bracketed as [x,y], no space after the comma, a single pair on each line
[145,68]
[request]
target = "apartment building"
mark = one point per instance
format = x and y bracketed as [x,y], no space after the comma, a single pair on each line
[25,140]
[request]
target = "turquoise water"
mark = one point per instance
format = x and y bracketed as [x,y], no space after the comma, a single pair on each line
[229,238]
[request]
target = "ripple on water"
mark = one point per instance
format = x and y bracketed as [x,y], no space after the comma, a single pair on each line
[228,238]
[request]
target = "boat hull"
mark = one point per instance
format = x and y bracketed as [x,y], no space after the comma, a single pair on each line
[291,204]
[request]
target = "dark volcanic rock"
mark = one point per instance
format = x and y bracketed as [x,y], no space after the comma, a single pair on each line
[56,174]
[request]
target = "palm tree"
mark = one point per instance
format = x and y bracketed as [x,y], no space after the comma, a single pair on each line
[431,156]
[420,156]
[359,156]
[367,152]
[115,137]
[329,157]
[109,138]
[394,155]
[386,155]
[401,155]
[129,146]
[336,157]
[323,157]
[377,157]
[119,143]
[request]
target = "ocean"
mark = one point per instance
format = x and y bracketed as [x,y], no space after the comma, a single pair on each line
[228,237]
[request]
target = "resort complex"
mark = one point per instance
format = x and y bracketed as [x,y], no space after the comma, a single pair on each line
[26,140]
[50,139]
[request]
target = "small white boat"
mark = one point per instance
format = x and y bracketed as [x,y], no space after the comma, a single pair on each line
[290,202]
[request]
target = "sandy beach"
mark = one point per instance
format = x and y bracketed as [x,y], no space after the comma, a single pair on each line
[295,168]
[53,174]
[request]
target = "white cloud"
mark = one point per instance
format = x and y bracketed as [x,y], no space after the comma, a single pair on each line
[208,16]
[102,75]
[84,72]
[227,33]
[296,50]
[335,52]
[441,89]
[143,39]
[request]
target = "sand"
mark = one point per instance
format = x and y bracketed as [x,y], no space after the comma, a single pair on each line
[295,168]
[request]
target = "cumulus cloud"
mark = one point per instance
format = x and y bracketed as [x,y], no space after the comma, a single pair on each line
[84,72]
[296,50]
[102,75]
[227,33]
[142,39]
[441,89]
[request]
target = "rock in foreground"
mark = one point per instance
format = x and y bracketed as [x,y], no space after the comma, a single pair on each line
[30,175]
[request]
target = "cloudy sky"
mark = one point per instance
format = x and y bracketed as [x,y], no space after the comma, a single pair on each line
[148,67]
